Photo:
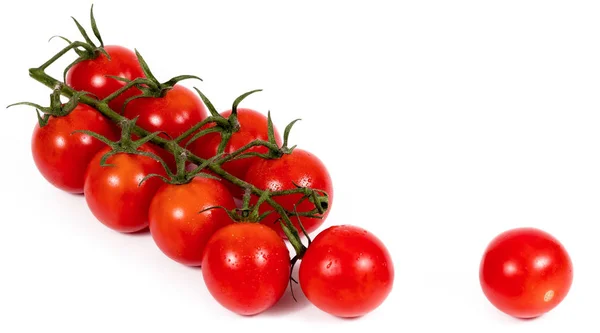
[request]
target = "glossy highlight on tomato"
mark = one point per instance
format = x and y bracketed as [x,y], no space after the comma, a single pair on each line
[253,126]
[114,194]
[178,227]
[246,267]
[298,168]
[192,217]
[92,75]
[525,272]
[174,113]
[346,271]
[61,155]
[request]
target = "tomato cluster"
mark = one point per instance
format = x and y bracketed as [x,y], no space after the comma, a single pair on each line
[223,191]
[218,190]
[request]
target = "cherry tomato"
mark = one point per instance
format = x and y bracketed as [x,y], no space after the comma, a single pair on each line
[176,225]
[253,126]
[525,272]
[246,267]
[113,193]
[299,167]
[346,271]
[62,156]
[174,113]
[91,75]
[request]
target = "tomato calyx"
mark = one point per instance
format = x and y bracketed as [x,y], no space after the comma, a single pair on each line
[149,85]
[226,126]
[182,175]
[85,50]
[275,151]
[251,213]
[125,144]
[56,108]
[247,213]
[284,149]
[319,198]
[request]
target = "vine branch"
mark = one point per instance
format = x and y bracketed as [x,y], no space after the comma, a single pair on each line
[290,231]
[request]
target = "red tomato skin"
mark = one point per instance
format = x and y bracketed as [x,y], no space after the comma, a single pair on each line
[174,113]
[91,75]
[62,157]
[177,228]
[525,272]
[346,271]
[300,167]
[253,126]
[113,193]
[246,267]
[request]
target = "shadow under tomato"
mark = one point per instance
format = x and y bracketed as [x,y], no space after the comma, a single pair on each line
[504,316]
[287,304]
[195,268]
[526,319]
[140,233]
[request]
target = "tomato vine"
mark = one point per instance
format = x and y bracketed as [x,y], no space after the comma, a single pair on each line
[150,86]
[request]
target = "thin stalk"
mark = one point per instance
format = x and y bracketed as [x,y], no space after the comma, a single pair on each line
[124,88]
[243,149]
[196,127]
[64,51]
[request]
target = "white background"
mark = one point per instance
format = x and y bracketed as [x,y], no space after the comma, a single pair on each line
[443,123]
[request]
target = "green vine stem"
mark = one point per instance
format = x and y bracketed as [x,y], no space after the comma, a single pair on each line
[320,200]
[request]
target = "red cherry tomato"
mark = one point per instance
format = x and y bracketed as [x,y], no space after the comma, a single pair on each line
[174,113]
[299,167]
[346,271]
[113,193]
[62,156]
[176,225]
[91,75]
[246,267]
[253,126]
[525,272]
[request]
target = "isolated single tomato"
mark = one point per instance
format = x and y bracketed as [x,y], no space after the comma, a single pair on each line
[346,271]
[114,194]
[178,228]
[301,168]
[61,155]
[253,126]
[174,113]
[92,75]
[246,267]
[525,272]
